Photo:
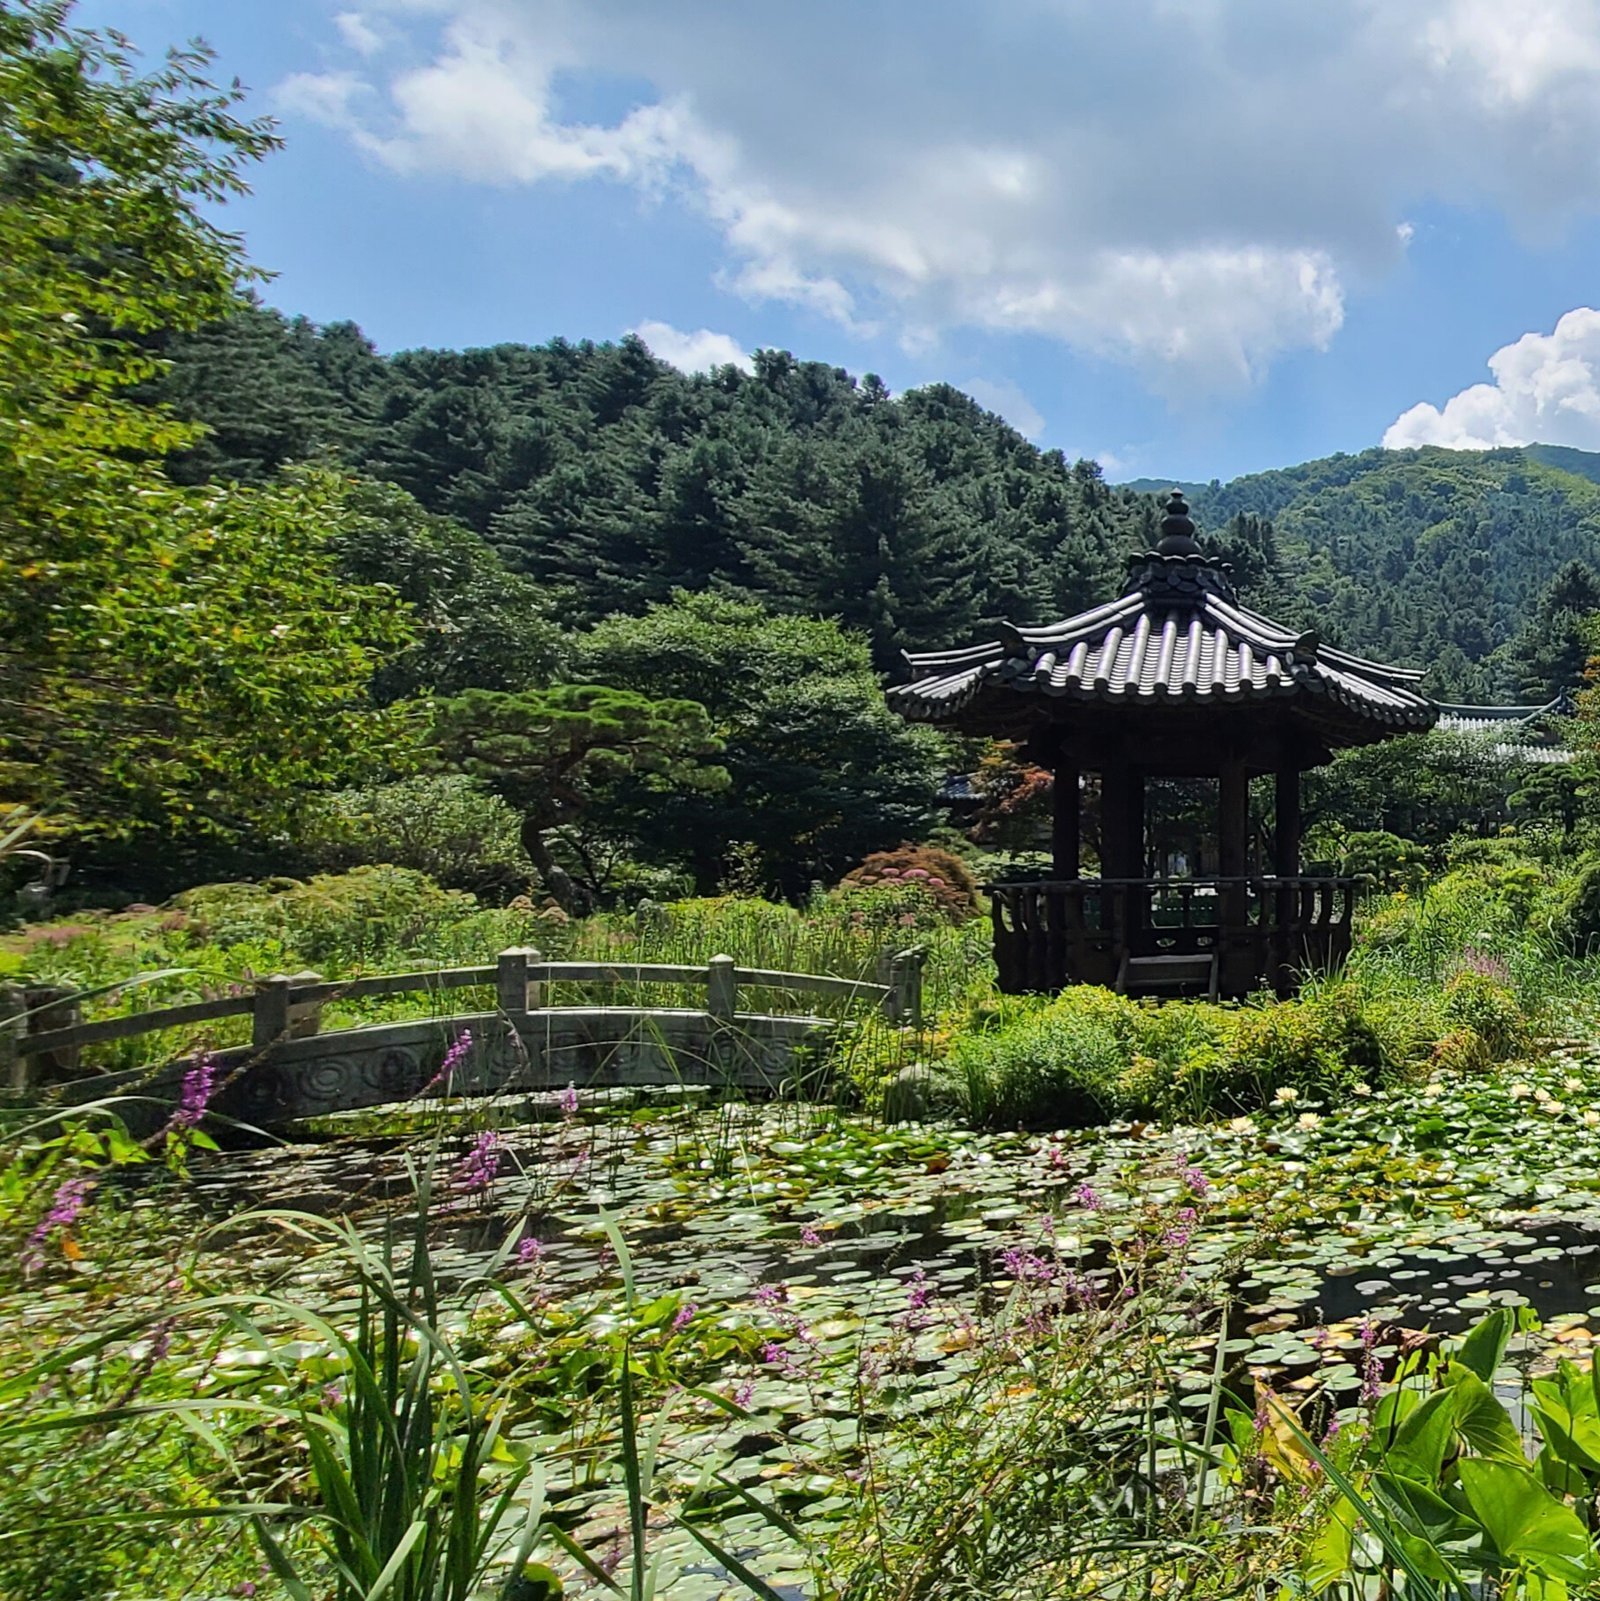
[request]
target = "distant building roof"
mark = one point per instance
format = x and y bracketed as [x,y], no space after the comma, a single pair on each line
[1520,733]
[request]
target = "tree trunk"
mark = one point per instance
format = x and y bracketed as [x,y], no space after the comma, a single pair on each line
[570,896]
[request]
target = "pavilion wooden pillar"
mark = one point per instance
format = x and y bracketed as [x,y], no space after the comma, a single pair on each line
[1122,846]
[1066,825]
[1233,842]
[1288,943]
[1286,821]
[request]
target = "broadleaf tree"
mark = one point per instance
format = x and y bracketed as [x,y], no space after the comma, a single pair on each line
[171,659]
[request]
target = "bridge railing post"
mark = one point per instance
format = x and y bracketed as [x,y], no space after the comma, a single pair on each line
[305,1017]
[903,1003]
[515,991]
[722,989]
[49,1007]
[269,1017]
[14,1069]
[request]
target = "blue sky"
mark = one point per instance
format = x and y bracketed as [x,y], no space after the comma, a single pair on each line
[1191,238]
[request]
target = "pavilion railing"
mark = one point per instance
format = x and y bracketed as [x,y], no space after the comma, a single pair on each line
[1262,929]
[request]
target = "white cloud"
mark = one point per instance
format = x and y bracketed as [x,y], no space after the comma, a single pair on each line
[1546,390]
[358,33]
[1005,397]
[693,352]
[325,97]
[1191,188]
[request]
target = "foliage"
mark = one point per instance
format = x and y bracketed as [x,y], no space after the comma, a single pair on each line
[1016,800]
[1431,558]
[170,660]
[1579,917]
[479,625]
[1389,861]
[820,771]
[944,876]
[1423,788]
[550,753]
[445,825]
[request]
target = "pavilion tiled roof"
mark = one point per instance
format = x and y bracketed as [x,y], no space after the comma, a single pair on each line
[1177,635]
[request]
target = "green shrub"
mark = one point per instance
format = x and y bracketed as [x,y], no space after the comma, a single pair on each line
[1054,1066]
[900,909]
[332,918]
[1385,858]
[1578,918]
[444,825]
[1480,1002]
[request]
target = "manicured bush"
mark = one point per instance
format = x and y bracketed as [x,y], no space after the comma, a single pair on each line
[943,875]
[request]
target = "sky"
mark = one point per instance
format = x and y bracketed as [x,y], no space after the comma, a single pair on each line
[1188,238]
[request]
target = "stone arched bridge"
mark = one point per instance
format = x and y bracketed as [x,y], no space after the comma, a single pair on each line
[292,1068]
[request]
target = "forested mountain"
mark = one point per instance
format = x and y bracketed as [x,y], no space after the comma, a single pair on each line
[1440,559]
[610,479]
[613,479]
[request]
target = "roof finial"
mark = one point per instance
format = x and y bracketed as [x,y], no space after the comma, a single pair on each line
[1177,529]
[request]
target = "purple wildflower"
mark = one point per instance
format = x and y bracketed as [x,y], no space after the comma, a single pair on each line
[1079,1291]
[1371,1363]
[1317,1338]
[65,1206]
[684,1316]
[1194,1178]
[480,1167]
[809,1237]
[745,1394]
[1058,1157]
[568,1102]
[1025,1266]
[773,1352]
[1332,1431]
[198,1085]
[1088,1197]
[529,1249]
[918,1291]
[771,1294]
[332,1396]
[453,1059]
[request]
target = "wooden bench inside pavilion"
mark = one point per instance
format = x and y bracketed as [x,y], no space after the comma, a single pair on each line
[1174,680]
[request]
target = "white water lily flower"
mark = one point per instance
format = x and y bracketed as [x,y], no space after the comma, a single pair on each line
[1554,1108]
[1284,1095]
[1542,1095]
[1520,1092]
[1361,1089]
[1573,1086]
[1591,1118]
[1433,1090]
[1307,1120]
[1243,1125]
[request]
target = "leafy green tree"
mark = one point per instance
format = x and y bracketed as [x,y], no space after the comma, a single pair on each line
[821,772]
[169,659]
[552,755]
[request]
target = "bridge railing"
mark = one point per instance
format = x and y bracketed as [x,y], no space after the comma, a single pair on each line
[42,1032]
